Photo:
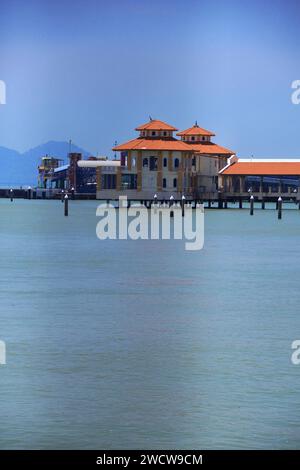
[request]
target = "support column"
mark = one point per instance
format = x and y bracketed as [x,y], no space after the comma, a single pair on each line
[118,179]
[241,184]
[139,170]
[159,177]
[261,185]
[170,161]
[129,160]
[98,178]
[180,174]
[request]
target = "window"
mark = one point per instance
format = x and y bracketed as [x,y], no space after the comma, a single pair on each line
[108,181]
[203,138]
[165,162]
[164,183]
[153,163]
[145,162]
[165,133]
[153,133]
[129,181]
[176,162]
[193,138]
[175,183]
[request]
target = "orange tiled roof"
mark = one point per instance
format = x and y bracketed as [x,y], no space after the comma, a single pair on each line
[195,130]
[156,125]
[154,144]
[263,168]
[210,148]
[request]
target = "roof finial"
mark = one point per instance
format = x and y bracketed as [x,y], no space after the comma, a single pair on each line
[196,123]
[150,118]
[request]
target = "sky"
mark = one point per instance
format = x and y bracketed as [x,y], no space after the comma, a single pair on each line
[93,70]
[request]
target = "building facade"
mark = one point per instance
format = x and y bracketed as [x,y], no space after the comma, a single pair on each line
[154,163]
[157,163]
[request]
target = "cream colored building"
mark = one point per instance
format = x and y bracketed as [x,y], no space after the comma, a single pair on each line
[156,163]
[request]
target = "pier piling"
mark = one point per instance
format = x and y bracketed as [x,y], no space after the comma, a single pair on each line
[66,205]
[220,202]
[11,193]
[251,205]
[182,205]
[279,206]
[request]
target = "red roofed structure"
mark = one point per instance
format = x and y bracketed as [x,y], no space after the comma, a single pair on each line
[195,131]
[153,144]
[260,175]
[156,125]
[156,162]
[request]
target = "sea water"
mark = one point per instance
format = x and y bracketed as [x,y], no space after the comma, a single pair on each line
[141,344]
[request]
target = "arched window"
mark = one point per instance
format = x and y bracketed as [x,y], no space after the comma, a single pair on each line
[153,133]
[164,183]
[165,162]
[193,138]
[145,162]
[175,183]
[176,162]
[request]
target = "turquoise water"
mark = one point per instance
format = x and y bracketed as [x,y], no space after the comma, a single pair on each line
[141,344]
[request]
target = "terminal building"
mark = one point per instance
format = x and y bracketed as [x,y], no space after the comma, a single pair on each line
[153,163]
[260,176]
[157,163]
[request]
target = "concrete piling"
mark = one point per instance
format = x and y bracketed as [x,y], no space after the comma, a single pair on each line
[279,206]
[251,205]
[66,205]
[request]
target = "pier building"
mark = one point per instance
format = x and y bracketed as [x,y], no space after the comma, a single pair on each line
[46,170]
[264,177]
[156,162]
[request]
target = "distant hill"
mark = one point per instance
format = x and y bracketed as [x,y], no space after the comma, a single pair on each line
[17,169]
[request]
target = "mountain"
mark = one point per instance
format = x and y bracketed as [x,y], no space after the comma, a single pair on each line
[20,169]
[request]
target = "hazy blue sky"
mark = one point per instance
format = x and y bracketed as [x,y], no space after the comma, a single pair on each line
[92,70]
